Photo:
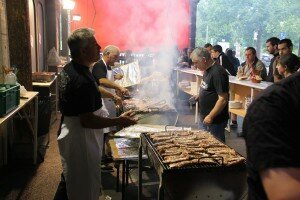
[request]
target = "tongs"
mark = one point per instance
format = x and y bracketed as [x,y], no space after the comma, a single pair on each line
[128,96]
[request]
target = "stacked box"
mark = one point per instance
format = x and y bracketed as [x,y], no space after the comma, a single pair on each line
[9,98]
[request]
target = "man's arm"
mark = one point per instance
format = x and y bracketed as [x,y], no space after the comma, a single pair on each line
[90,120]
[107,94]
[109,84]
[281,183]
[219,106]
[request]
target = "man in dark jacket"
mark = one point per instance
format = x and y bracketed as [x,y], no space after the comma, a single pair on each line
[272,48]
[273,143]
[219,56]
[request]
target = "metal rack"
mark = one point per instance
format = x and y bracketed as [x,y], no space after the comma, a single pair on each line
[200,181]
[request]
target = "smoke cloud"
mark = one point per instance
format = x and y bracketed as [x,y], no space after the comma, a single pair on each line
[135,24]
[157,26]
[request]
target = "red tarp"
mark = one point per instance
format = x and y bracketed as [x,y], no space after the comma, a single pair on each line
[135,24]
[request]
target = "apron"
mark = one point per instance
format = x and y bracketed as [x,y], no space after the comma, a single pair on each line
[109,104]
[81,150]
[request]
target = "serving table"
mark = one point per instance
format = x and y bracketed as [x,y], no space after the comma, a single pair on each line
[32,121]
[238,89]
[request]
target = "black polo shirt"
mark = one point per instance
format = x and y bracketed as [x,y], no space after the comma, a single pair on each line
[271,128]
[78,90]
[215,81]
[100,70]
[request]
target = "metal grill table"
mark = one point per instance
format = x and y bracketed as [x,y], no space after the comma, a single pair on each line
[124,151]
[200,181]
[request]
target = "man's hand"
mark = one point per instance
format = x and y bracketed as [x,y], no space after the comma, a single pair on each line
[126,119]
[194,98]
[117,100]
[129,113]
[124,91]
[207,120]
[118,76]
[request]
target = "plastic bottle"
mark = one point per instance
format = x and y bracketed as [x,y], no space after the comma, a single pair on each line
[10,78]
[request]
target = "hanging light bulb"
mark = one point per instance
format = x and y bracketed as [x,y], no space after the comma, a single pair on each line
[76,17]
[68,4]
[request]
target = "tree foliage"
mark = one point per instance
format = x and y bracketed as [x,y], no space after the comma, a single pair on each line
[236,21]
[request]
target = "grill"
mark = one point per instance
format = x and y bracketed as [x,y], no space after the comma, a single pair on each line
[153,115]
[199,181]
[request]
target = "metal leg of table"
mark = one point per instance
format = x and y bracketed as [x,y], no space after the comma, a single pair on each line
[35,142]
[123,179]
[140,165]
[160,192]
[196,113]
[117,165]
[127,171]
[4,143]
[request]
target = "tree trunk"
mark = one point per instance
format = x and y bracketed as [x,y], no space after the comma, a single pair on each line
[259,42]
[193,13]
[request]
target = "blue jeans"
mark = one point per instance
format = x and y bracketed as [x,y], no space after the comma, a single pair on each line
[217,130]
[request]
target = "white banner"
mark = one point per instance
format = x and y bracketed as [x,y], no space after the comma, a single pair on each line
[131,74]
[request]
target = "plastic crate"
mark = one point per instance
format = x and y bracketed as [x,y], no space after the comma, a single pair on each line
[9,98]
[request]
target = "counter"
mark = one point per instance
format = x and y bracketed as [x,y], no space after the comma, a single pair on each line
[239,89]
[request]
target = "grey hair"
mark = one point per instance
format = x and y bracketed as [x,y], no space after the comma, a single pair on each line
[200,53]
[111,49]
[79,39]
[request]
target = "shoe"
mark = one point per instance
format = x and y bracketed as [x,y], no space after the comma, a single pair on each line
[233,124]
[106,168]
[106,159]
[108,197]
[105,197]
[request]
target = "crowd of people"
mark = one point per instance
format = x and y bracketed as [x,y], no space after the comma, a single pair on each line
[270,124]
[88,95]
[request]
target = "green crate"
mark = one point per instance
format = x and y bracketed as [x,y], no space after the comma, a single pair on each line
[9,98]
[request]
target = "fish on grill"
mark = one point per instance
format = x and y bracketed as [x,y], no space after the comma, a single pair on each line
[188,143]
[160,139]
[199,155]
[184,133]
[218,150]
[164,147]
[154,135]
[183,163]
[172,153]
[186,148]
[173,159]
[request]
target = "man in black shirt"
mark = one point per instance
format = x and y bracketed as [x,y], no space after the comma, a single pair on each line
[272,48]
[271,128]
[213,96]
[80,137]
